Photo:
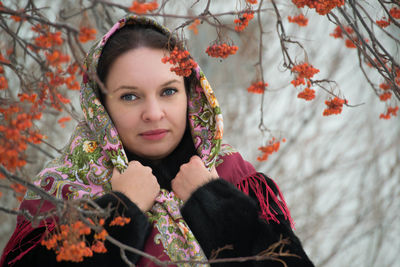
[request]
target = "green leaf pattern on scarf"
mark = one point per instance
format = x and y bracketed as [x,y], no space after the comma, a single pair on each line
[174,234]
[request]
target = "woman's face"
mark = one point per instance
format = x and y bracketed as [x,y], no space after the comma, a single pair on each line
[147,103]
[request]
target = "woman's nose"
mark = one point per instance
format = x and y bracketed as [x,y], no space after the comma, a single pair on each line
[152,110]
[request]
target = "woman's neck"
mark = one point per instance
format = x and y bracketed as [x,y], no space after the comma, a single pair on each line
[166,169]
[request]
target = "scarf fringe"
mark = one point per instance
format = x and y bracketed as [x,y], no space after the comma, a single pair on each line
[255,182]
[22,231]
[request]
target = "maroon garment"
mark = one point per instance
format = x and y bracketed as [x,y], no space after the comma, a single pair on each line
[24,228]
[230,167]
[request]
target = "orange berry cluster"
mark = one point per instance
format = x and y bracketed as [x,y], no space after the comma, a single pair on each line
[16,133]
[252,2]
[385,93]
[223,50]
[3,83]
[3,79]
[349,43]
[391,111]
[335,106]
[304,72]
[68,242]
[47,39]
[243,21]
[384,86]
[299,20]
[59,78]
[322,7]
[307,94]
[257,87]
[338,33]
[385,96]
[56,58]
[70,81]
[121,221]
[181,60]
[395,12]
[98,247]
[74,252]
[193,26]
[16,126]
[143,8]
[272,147]
[384,22]
[62,121]
[55,80]
[16,18]
[25,97]
[101,236]
[86,34]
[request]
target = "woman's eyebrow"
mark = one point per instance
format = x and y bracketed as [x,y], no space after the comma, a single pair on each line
[170,82]
[136,88]
[126,87]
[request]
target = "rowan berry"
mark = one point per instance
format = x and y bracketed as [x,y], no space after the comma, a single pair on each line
[222,50]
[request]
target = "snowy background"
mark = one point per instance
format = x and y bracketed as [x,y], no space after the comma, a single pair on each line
[340,174]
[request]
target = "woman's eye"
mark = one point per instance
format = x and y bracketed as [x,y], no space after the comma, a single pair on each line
[169,91]
[128,97]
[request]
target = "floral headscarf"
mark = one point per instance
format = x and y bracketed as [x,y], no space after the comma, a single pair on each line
[85,168]
[95,148]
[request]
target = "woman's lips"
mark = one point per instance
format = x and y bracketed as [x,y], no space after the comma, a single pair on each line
[154,134]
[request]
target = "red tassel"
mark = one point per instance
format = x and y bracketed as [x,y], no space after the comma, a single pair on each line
[267,212]
[22,230]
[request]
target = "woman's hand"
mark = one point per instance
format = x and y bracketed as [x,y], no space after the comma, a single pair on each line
[191,176]
[138,183]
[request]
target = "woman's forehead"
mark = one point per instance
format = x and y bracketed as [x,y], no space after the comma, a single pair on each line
[141,66]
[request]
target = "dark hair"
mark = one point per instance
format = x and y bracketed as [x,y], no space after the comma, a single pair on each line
[132,37]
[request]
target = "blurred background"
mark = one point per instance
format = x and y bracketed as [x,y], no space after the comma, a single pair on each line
[340,174]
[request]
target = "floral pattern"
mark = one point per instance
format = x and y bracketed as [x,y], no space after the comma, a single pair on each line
[174,233]
[85,168]
[226,150]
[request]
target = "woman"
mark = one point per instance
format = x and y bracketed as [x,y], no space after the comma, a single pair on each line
[150,147]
